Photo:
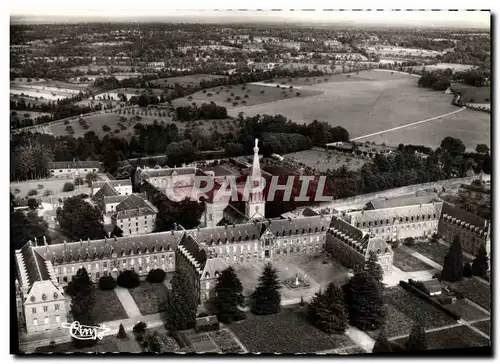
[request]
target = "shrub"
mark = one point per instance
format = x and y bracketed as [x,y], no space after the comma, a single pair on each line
[246,96]
[140,328]
[68,186]
[409,241]
[204,91]
[40,186]
[32,192]
[235,103]
[209,94]
[107,283]
[66,122]
[121,332]
[156,276]
[261,91]
[48,193]
[229,99]
[237,98]
[128,279]
[106,128]
[298,94]
[117,131]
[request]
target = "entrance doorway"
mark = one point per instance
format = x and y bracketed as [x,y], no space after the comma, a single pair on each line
[267,254]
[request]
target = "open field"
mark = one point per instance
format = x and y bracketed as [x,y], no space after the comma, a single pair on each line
[250,94]
[107,307]
[476,291]
[472,94]
[184,80]
[407,262]
[383,102]
[452,338]
[322,160]
[32,114]
[149,297]
[96,67]
[286,332]
[320,270]
[415,308]
[109,344]
[54,185]
[129,92]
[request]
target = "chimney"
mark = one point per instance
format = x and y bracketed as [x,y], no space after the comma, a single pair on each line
[44,240]
[36,244]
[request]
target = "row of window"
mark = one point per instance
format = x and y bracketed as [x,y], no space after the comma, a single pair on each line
[401,220]
[46,320]
[46,308]
[69,170]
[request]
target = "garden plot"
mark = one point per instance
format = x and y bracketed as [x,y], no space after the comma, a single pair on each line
[149,297]
[286,332]
[474,290]
[434,251]
[466,311]
[396,323]
[226,342]
[323,160]
[453,338]
[416,309]
[484,326]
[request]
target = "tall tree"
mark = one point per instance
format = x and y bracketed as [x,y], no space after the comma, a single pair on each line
[80,219]
[373,267]
[181,303]
[267,297]
[26,227]
[417,341]
[363,296]
[480,265]
[453,262]
[229,294]
[328,311]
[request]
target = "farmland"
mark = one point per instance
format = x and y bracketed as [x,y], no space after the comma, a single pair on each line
[183,80]
[233,97]
[322,160]
[285,332]
[375,101]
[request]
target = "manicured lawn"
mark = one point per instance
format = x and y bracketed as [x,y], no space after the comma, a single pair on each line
[396,323]
[415,308]
[323,160]
[108,344]
[149,296]
[286,332]
[474,290]
[107,307]
[484,326]
[434,251]
[455,337]
[407,262]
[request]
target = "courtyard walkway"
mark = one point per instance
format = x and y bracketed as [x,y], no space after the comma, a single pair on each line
[361,339]
[127,302]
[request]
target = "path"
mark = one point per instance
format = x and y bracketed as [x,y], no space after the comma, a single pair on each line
[408,125]
[361,339]
[127,302]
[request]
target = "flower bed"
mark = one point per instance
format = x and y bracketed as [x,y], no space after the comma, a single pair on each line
[415,308]
[287,332]
[226,342]
[452,338]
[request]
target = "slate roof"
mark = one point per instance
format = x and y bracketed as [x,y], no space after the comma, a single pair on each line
[112,183]
[105,191]
[114,199]
[32,264]
[92,250]
[302,225]
[378,245]
[227,234]
[346,228]
[190,247]
[467,217]
[400,201]
[213,267]
[74,164]
[142,211]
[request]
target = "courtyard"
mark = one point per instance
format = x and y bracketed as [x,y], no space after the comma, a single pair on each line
[318,271]
[107,307]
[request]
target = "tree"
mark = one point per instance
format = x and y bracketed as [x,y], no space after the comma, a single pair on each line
[90,177]
[107,283]
[140,328]
[128,279]
[32,203]
[363,296]
[117,232]
[482,149]
[417,341]
[156,276]
[453,262]
[82,301]
[328,311]
[80,219]
[267,297]
[480,265]
[68,186]
[121,332]
[373,267]
[453,145]
[181,303]
[229,294]
[26,227]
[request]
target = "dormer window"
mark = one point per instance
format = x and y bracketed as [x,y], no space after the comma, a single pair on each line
[32,299]
[55,295]
[44,297]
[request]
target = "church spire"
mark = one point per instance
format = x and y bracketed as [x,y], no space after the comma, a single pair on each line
[256,163]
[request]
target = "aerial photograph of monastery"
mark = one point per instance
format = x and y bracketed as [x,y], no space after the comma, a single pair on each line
[251,183]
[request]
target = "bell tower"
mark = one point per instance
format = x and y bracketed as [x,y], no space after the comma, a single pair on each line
[256,203]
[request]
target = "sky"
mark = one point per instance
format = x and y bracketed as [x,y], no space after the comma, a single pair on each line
[472,19]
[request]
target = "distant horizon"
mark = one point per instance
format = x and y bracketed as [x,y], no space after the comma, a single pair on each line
[418,19]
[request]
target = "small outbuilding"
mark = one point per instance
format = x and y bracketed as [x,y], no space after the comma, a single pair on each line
[433,287]
[207,323]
